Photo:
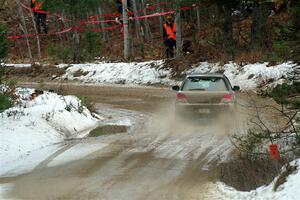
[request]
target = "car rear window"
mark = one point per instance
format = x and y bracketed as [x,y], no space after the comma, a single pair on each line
[204,84]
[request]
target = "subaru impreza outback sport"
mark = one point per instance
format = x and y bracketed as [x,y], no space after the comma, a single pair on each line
[205,95]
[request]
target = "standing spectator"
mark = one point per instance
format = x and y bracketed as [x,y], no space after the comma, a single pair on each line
[169,35]
[40,15]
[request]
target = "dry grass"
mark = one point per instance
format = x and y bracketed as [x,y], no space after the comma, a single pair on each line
[246,174]
[283,176]
[248,57]
[36,71]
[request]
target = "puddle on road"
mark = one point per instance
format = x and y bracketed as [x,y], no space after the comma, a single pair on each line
[108,130]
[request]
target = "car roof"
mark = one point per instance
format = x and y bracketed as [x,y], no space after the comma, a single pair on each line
[213,75]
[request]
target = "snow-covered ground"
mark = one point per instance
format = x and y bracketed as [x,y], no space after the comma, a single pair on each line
[287,191]
[248,77]
[125,73]
[50,118]
[36,123]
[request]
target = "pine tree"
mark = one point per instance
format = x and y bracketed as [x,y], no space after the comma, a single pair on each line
[4,47]
[295,28]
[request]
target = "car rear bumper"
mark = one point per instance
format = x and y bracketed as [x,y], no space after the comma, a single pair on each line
[205,110]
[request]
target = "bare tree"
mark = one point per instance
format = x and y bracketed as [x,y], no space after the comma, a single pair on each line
[198,18]
[102,25]
[127,50]
[178,30]
[137,21]
[23,27]
[161,23]
[37,35]
[148,32]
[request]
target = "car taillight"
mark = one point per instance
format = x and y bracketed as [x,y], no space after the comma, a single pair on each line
[227,98]
[181,97]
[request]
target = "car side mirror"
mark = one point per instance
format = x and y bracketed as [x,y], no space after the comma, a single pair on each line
[176,88]
[236,88]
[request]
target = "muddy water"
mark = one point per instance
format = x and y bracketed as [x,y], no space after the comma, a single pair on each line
[157,159]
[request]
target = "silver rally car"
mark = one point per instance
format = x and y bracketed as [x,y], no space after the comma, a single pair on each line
[206,95]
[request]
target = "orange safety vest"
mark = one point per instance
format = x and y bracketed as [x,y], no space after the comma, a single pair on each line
[171,32]
[37,6]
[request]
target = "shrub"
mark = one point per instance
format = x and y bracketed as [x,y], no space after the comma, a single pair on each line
[1,73]
[92,42]
[286,95]
[4,44]
[217,39]
[60,52]
[247,174]
[4,47]
[281,93]
[281,50]
[5,102]
[90,46]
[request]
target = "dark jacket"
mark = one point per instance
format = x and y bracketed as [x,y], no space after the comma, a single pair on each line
[119,3]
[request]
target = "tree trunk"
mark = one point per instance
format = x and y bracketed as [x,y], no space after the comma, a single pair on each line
[137,22]
[255,24]
[76,41]
[148,33]
[161,22]
[57,28]
[37,36]
[260,32]
[66,25]
[102,25]
[178,30]
[126,31]
[228,33]
[24,28]
[198,19]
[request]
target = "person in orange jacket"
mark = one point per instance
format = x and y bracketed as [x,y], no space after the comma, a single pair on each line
[40,15]
[169,36]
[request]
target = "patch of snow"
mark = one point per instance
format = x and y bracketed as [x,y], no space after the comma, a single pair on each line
[287,191]
[250,76]
[27,162]
[17,65]
[122,122]
[151,72]
[76,152]
[4,188]
[62,65]
[45,120]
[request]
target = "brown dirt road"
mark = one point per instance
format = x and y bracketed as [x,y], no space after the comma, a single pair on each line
[153,162]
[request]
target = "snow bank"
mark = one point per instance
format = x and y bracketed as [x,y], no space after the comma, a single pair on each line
[45,120]
[131,73]
[248,77]
[288,191]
